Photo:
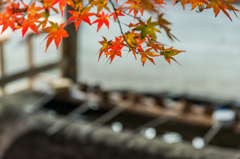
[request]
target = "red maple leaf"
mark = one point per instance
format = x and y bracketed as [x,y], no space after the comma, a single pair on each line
[102,18]
[62,4]
[30,23]
[115,48]
[118,12]
[80,16]
[7,20]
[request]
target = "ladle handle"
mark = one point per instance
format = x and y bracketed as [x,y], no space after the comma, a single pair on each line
[212,132]
[105,118]
[60,124]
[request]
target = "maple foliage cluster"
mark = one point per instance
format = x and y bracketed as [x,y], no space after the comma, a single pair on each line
[140,39]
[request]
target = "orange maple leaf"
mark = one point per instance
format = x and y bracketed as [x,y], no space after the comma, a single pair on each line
[11,16]
[134,6]
[199,3]
[102,18]
[7,20]
[33,9]
[105,46]
[55,32]
[133,39]
[80,16]
[14,8]
[182,2]
[146,55]
[62,4]
[47,4]
[100,4]
[154,44]
[218,5]
[118,12]
[7,24]
[30,23]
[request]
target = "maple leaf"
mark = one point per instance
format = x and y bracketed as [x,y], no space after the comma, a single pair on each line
[78,4]
[14,8]
[146,55]
[102,18]
[62,4]
[29,23]
[7,24]
[159,2]
[48,4]
[134,6]
[11,16]
[33,9]
[55,32]
[163,23]
[115,48]
[133,39]
[80,16]
[105,46]
[168,53]
[118,12]
[100,5]
[7,20]
[154,44]
[182,2]
[130,25]
[218,5]
[150,5]
[147,29]
[199,3]
[2,18]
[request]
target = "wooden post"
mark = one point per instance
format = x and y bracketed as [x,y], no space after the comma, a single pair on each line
[30,57]
[2,67]
[70,52]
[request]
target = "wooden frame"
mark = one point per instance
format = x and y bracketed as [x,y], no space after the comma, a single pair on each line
[68,63]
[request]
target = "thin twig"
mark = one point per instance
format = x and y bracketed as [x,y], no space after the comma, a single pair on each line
[138,18]
[84,7]
[118,21]
[28,7]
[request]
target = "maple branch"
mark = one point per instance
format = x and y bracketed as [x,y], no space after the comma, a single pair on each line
[115,11]
[138,18]
[84,7]
[27,8]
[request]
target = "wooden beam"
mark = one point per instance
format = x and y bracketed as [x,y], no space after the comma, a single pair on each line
[31,72]
[70,51]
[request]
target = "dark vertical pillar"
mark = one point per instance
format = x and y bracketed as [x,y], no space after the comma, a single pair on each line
[2,65]
[70,52]
[30,57]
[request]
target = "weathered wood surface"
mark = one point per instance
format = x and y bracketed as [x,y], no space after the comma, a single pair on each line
[30,72]
[12,118]
[17,122]
[70,51]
